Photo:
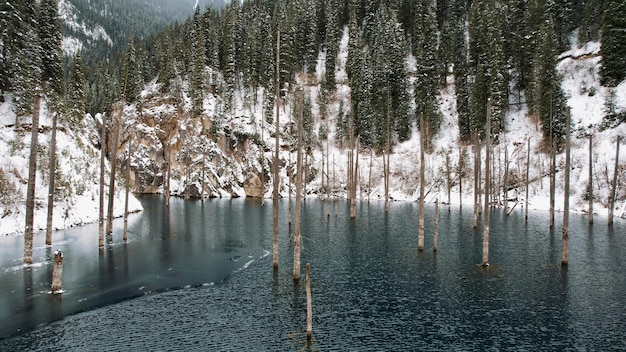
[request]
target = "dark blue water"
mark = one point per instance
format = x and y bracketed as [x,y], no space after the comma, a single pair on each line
[372,289]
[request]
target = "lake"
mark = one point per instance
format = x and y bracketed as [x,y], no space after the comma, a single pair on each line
[199,277]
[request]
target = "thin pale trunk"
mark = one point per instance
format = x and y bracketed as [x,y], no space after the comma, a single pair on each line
[32,174]
[369,178]
[102,160]
[436,227]
[386,184]
[168,173]
[53,162]
[109,229]
[187,174]
[448,178]
[203,175]
[552,171]
[461,168]
[127,190]
[565,257]
[590,193]
[309,305]
[527,179]
[355,181]
[506,179]
[328,180]
[276,155]
[420,239]
[297,237]
[476,180]
[614,188]
[262,158]
[485,261]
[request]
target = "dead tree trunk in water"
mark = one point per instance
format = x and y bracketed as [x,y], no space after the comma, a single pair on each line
[565,257]
[127,190]
[297,239]
[461,172]
[476,179]
[420,239]
[102,159]
[448,178]
[309,305]
[113,161]
[552,170]
[506,179]
[614,188]
[276,155]
[168,173]
[57,272]
[436,227]
[590,186]
[485,261]
[32,175]
[527,179]
[53,162]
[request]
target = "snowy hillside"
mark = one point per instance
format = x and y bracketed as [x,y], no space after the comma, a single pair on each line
[80,32]
[77,183]
[234,166]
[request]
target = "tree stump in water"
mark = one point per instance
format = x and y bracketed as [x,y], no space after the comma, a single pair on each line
[57,272]
[309,309]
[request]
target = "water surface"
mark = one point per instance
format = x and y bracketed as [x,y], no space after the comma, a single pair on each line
[372,289]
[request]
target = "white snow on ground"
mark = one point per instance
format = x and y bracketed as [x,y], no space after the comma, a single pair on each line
[78,174]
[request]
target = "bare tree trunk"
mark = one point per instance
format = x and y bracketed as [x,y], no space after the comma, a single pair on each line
[476,180]
[57,272]
[329,191]
[262,157]
[552,171]
[276,155]
[187,174]
[32,174]
[53,164]
[113,161]
[420,240]
[590,189]
[369,178]
[461,171]
[614,188]
[485,261]
[102,162]
[203,175]
[309,305]
[127,190]
[168,173]
[506,179]
[436,227]
[565,258]
[355,181]
[448,178]
[297,237]
[527,179]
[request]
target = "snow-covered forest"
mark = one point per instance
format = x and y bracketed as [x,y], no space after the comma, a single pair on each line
[200,98]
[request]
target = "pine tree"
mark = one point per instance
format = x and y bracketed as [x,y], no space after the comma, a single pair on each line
[198,61]
[76,91]
[613,43]
[131,76]
[50,38]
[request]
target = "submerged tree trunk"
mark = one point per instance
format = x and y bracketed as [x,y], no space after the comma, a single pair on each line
[102,164]
[565,257]
[127,190]
[297,237]
[448,178]
[461,172]
[53,162]
[476,180]
[116,132]
[552,172]
[436,227]
[276,155]
[590,189]
[168,172]
[309,305]
[527,179]
[485,261]
[369,178]
[32,174]
[614,186]
[420,240]
[506,179]
[57,272]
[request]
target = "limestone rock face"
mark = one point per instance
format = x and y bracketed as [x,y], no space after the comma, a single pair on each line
[253,187]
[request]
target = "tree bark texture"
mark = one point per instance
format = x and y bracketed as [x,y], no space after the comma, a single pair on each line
[485,261]
[420,240]
[614,188]
[53,162]
[565,257]
[32,174]
[57,272]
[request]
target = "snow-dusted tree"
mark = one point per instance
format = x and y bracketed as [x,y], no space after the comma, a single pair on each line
[613,41]
[76,91]
[197,63]
[131,76]
[50,38]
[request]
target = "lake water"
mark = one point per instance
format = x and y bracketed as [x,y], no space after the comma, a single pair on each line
[199,277]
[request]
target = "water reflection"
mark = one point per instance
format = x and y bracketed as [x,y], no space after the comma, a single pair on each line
[372,289]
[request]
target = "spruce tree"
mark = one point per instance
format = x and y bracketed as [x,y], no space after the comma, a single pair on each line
[76,91]
[198,61]
[50,38]
[613,43]
[131,76]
